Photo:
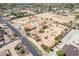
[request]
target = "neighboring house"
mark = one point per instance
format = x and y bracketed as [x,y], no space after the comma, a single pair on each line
[70,50]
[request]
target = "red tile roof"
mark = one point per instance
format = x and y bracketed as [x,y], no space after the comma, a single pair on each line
[30,26]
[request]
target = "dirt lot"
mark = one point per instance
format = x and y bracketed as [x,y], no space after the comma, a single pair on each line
[53,29]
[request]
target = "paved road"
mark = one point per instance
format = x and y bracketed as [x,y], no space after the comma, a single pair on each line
[24,40]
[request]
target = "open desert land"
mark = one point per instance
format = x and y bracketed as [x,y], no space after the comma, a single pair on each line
[43,28]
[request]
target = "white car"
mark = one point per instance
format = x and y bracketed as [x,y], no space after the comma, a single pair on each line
[5,26]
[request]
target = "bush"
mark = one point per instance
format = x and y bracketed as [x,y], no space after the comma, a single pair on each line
[18,47]
[28,33]
[74,27]
[13,38]
[27,29]
[77,17]
[41,31]
[14,35]
[19,14]
[69,6]
[44,26]
[2,30]
[60,53]
[58,37]
[46,48]
[38,39]
[22,51]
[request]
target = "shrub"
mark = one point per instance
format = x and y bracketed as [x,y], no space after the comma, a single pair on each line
[13,38]
[28,33]
[46,37]
[2,30]
[22,51]
[41,31]
[58,37]
[60,53]
[77,17]
[74,27]
[18,47]
[44,26]
[14,35]
[27,29]
[46,48]
[50,18]
[38,39]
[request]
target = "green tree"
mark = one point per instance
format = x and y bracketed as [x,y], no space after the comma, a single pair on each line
[60,53]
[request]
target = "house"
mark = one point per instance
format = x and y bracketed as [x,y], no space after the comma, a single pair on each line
[71,47]
[31,25]
[70,50]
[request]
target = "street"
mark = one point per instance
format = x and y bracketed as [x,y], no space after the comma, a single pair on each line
[24,40]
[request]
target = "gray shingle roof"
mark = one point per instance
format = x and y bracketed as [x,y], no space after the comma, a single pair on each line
[70,50]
